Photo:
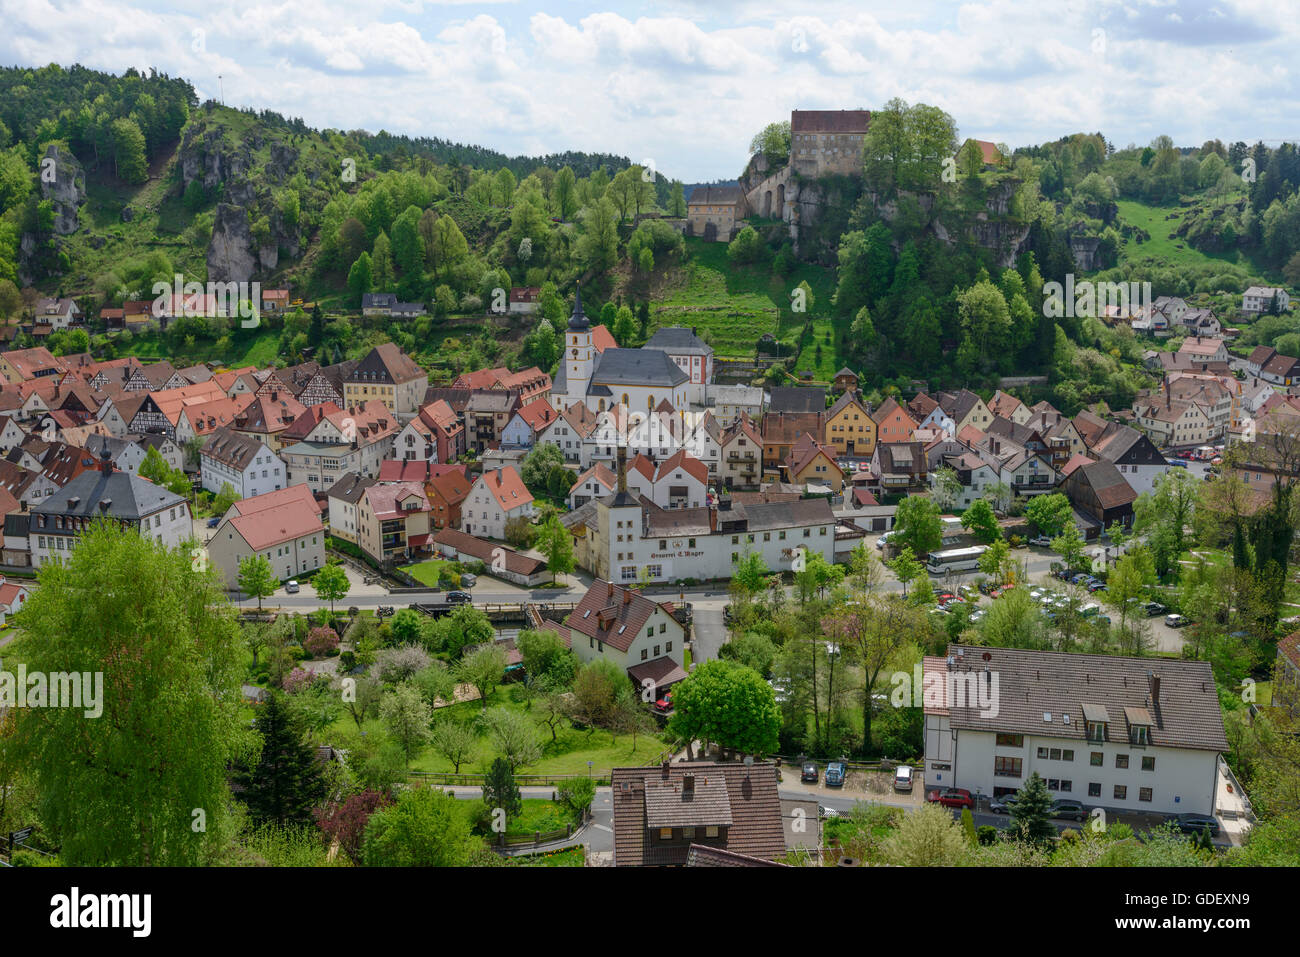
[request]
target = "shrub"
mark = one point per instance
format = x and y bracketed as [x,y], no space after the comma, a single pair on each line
[297,680]
[321,642]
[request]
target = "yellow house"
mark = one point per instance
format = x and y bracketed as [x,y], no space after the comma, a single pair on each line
[812,463]
[849,426]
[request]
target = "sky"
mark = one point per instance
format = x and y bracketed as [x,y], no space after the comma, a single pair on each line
[684,85]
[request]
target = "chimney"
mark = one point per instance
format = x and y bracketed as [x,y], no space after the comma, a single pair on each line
[609,590]
[663,770]
[622,469]
[627,596]
[688,783]
[1155,687]
[498,475]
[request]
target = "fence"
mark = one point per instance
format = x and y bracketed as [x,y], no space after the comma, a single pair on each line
[467,779]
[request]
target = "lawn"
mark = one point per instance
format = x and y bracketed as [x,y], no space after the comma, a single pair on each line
[260,349]
[569,857]
[738,304]
[568,754]
[1175,252]
[539,814]
[429,572]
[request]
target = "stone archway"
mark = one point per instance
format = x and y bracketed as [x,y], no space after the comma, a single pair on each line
[780,201]
[767,204]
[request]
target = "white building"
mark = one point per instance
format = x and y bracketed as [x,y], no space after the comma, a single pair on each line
[637,378]
[247,464]
[59,519]
[692,355]
[1123,734]
[1258,299]
[284,527]
[625,539]
[495,498]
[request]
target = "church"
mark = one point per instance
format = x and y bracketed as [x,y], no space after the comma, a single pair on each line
[640,379]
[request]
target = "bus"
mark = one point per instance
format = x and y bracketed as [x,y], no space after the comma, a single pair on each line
[955,560]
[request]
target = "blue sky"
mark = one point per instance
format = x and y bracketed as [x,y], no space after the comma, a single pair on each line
[686,84]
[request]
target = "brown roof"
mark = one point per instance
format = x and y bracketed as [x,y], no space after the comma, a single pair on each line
[1033,685]
[742,802]
[701,856]
[611,613]
[487,552]
[829,121]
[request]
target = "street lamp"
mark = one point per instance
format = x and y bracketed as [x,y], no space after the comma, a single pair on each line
[589,766]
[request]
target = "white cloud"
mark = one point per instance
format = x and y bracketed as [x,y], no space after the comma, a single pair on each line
[691,84]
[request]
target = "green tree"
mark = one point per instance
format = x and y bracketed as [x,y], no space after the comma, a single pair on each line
[1031,819]
[554,542]
[773,141]
[905,566]
[1050,514]
[563,194]
[483,668]
[361,277]
[993,561]
[1069,545]
[980,521]
[256,579]
[598,243]
[455,741]
[406,717]
[917,525]
[449,246]
[285,784]
[500,792]
[331,584]
[424,828]
[129,160]
[749,575]
[514,735]
[122,790]
[927,837]
[724,702]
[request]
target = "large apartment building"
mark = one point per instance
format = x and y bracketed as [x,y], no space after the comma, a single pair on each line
[1123,734]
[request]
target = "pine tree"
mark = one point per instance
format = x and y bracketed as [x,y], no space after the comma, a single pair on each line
[501,791]
[1031,819]
[285,784]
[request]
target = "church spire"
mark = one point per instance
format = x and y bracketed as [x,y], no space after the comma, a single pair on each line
[579,319]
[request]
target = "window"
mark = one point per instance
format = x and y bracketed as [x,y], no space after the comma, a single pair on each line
[668,647]
[1066,785]
[1056,754]
[1067,755]
[1097,731]
[1121,792]
[688,832]
[665,833]
[1007,767]
[1140,735]
[711,831]
[1095,759]
[1094,789]
[644,654]
[1121,760]
[1144,794]
[1010,741]
[1148,763]
[656,651]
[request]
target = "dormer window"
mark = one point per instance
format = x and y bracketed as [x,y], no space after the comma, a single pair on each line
[1097,731]
[1139,734]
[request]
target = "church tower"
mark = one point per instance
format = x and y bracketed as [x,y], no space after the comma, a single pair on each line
[579,353]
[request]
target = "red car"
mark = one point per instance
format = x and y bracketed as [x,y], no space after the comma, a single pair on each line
[952,797]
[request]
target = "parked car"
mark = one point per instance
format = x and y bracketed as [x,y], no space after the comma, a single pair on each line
[951,797]
[214,521]
[1194,823]
[1069,810]
[468,581]
[1153,608]
[1176,621]
[291,586]
[823,811]
[1042,541]
[459,598]
[977,615]
[1080,578]
[1096,585]
[1004,804]
[665,704]
[810,774]
[835,774]
[903,778]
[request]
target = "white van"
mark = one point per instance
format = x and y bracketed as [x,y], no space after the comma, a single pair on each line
[903,778]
